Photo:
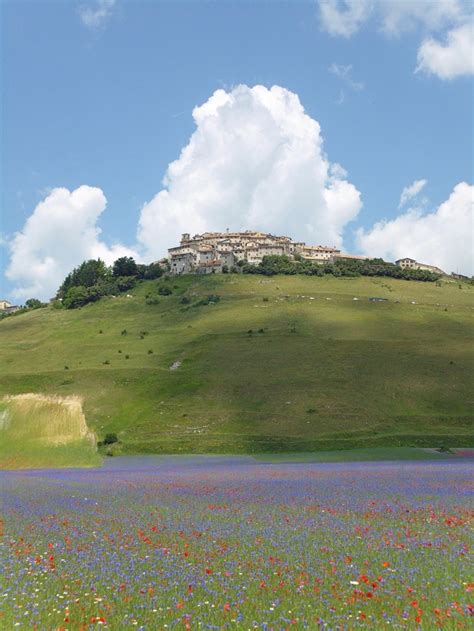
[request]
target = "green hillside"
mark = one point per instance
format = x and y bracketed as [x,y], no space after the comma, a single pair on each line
[287,363]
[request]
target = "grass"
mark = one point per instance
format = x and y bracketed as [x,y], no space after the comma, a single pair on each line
[282,364]
[375,454]
[38,431]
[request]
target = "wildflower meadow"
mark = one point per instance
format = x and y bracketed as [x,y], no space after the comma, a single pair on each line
[217,543]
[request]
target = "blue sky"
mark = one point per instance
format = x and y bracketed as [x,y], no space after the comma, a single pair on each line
[105,99]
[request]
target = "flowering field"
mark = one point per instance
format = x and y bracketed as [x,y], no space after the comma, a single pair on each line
[225,543]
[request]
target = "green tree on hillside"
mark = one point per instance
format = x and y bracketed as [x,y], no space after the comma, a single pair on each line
[34,303]
[89,273]
[125,266]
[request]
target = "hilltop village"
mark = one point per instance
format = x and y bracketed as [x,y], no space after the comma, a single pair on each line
[213,252]
[221,252]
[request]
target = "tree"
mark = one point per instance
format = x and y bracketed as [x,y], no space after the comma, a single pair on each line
[152,271]
[89,273]
[76,297]
[125,266]
[34,303]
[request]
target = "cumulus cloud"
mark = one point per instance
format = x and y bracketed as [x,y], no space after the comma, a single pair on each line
[254,161]
[95,16]
[409,192]
[443,237]
[449,19]
[452,58]
[61,232]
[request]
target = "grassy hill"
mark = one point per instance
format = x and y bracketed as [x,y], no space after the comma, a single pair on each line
[287,363]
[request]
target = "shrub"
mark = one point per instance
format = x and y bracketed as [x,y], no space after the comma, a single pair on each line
[124,332]
[110,439]
[165,291]
[208,300]
[76,297]
[124,283]
[152,301]
[106,362]
[185,300]
[150,352]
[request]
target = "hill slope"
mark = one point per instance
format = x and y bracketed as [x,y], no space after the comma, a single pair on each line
[319,369]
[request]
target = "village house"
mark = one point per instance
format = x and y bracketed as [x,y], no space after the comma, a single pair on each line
[7,307]
[211,251]
[408,263]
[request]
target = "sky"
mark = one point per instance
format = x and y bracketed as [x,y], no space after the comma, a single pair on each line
[338,122]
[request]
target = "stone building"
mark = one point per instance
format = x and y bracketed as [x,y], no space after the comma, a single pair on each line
[211,251]
[408,263]
[7,307]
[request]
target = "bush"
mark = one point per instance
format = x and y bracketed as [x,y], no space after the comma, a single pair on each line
[208,300]
[76,297]
[185,300]
[110,439]
[123,283]
[165,291]
[152,301]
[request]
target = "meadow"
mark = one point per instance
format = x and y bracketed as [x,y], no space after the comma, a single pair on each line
[287,363]
[217,543]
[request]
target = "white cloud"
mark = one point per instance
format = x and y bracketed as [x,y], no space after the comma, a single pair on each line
[97,15]
[409,192]
[451,59]
[448,19]
[61,232]
[344,17]
[443,237]
[255,161]
[398,17]
[345,74]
